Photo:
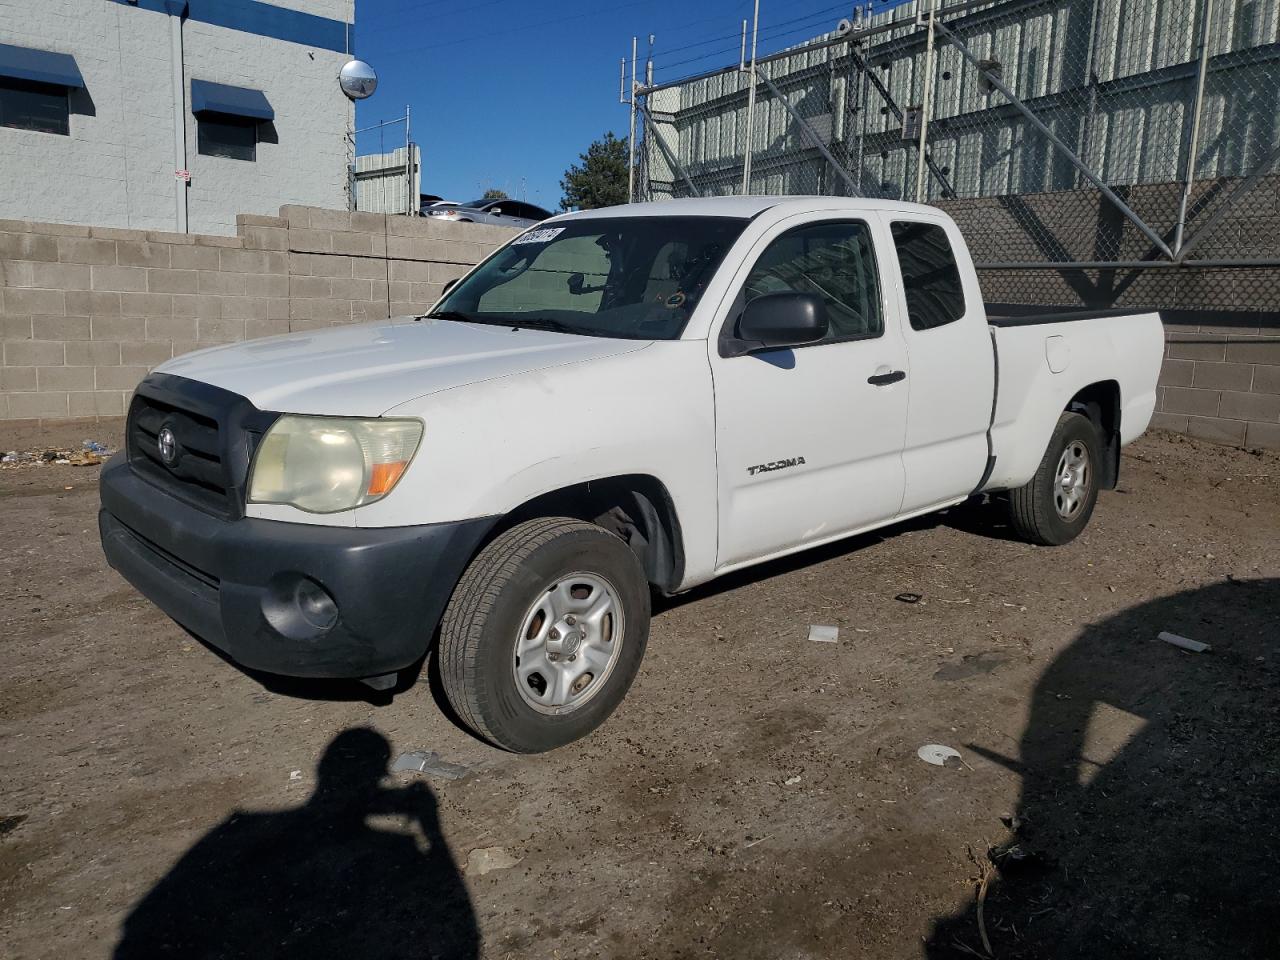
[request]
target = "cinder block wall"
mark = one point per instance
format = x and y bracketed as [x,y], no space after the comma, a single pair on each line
[85,312]
[1222,383]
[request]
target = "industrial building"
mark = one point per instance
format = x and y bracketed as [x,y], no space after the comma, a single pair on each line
[172,115]
[1115,80]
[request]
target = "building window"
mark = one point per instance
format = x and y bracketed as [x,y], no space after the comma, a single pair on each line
[226,137]
[228,119]
[34,106]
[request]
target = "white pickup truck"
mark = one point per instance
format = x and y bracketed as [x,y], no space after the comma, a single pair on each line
[635,398]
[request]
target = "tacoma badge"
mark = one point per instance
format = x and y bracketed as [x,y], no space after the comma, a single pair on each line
[775,465]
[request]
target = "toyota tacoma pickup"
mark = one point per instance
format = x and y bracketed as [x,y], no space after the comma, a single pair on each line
[615,402]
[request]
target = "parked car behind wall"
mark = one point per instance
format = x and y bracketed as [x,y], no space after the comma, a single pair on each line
[502,213]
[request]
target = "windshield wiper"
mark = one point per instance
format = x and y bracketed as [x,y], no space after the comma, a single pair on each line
[545,323]
[452,315]
[514,323]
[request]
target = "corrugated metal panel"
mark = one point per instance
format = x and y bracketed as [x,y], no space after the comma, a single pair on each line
[381,183]
[1113,78]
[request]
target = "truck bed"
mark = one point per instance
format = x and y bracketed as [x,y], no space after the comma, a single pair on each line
[1044,359]
[1021,315]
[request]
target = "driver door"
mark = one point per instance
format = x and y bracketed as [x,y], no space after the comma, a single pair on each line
[810,439]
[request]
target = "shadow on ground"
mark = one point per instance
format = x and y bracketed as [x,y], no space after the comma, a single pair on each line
[1149,819]
[318,881]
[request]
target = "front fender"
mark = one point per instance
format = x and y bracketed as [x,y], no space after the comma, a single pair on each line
[490,447]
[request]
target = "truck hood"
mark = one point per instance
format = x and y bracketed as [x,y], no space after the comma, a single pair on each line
[366,369]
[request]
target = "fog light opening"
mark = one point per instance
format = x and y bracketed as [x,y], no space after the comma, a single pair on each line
[315,605]
[299,608]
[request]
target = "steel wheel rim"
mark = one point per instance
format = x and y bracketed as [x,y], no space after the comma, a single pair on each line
[568,644]
[1071,480]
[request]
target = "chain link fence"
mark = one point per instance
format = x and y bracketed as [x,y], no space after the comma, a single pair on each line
[1073,137]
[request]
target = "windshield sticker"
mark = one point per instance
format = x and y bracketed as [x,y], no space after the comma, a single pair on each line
[539,236]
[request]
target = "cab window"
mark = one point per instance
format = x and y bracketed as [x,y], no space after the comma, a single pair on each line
[935,296]
[835,261]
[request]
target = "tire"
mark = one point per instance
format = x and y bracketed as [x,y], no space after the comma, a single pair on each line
[1044,511]
[530,584]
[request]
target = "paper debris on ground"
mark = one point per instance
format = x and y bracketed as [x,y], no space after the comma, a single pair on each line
[1195,646]
[820,634]
[939,754]
[429,762]
[487,859]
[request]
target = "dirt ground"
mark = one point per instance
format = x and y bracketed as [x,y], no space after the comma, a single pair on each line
[758,795]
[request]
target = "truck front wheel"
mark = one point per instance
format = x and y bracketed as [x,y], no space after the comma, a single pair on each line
[1055,506]
[544,634]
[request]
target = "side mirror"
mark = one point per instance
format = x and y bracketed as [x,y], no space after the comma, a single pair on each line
[576,283]
[777,320]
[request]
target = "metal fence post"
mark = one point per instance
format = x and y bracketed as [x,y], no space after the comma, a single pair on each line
[1193,141]
[926,102]
[751,103]
[864,96]
[631,136]
[408,166]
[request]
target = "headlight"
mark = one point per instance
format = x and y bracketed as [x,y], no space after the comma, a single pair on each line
[327,464]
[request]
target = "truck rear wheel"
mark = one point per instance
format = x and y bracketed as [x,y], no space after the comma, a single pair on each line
[1055,506]
[544,634]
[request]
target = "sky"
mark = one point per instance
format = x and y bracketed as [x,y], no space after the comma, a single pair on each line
[508,93]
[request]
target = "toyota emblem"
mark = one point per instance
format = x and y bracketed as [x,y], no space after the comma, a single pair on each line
[167,444]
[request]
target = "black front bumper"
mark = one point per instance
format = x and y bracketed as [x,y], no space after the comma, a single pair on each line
[287,598]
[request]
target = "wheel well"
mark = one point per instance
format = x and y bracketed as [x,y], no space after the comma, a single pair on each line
[635,507]
[1100,402]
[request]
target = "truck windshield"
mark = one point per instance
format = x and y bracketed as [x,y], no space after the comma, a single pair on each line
[629,277]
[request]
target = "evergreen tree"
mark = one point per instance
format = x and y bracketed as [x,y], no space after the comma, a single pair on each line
[600,180]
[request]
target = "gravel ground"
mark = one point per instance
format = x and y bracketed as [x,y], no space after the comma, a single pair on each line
[758,795]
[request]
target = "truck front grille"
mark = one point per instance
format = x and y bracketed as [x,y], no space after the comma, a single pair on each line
[197,459]
[194,441]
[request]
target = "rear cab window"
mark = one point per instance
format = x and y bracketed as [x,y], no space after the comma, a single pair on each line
[930,276]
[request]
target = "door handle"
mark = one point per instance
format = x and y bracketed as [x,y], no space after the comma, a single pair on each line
[884,379]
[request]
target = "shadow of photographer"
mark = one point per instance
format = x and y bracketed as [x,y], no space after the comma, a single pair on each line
[319,880]
[1148,824]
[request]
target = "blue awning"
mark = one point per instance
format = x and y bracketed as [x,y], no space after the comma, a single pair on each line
[209,97]
[40,66]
